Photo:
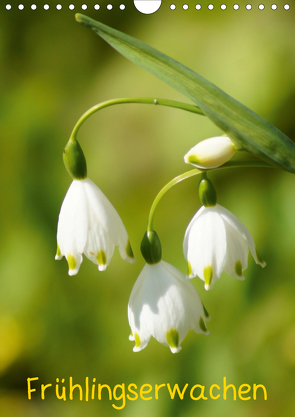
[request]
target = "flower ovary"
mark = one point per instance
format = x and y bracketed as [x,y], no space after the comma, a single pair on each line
[74,160]
[207,192]
[151,247]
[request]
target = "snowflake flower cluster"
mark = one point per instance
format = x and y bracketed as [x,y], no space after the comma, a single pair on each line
[163,302]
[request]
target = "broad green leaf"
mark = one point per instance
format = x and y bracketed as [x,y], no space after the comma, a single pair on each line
[248,130]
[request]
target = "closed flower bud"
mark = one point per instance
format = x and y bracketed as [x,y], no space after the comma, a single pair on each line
[211,153]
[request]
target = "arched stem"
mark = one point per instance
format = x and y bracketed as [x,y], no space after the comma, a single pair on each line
[192,173]
[140,100]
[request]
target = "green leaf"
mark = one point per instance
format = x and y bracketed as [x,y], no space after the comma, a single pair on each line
[248,130]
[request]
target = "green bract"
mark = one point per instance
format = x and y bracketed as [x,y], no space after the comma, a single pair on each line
[151,247]
[247,129]
[74,160]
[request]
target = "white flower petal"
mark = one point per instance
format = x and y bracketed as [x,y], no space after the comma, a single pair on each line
[237,253]
[187,232]
[73,220]
[206,246]
[242,229]
[165,305]
[216,240]
[74,262]
[89,224]
[109,218]
[99,248]
[135,306]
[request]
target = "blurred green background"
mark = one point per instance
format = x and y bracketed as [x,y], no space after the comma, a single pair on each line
[55,326]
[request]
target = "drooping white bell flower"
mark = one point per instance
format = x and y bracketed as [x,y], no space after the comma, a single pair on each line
[216,241]
[88,223]
[211,153]
[165,305]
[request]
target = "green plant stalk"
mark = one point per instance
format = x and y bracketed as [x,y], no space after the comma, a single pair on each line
[138,100]
[192,173]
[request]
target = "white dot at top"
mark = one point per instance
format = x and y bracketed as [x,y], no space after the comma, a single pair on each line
[33,7]
[59,6]
[248,7]
[71,7]
[198,7]
[8,7]
[223,6]
[287,6]
[122,6]
[21,7]
[210,6]
[261,6]
[172,7]
[236,7]
[97,6]
[46,6]
[109,7]
[185,6]
[274,6]
[84,7]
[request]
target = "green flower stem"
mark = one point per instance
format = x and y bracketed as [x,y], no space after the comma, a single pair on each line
[192,173]
[140,100]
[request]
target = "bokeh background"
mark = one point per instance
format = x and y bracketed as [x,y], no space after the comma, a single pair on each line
[54,326]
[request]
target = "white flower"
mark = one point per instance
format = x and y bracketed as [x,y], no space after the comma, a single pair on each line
[89,224]
[165,305]
[216,240]
[211,153]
